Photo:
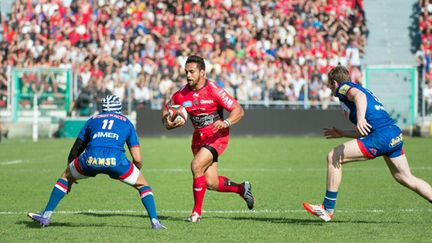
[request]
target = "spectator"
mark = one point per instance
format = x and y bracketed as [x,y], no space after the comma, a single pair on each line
[83,104]
[243,41]
[427,96]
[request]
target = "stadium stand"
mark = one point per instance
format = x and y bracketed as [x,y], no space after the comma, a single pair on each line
[257,50]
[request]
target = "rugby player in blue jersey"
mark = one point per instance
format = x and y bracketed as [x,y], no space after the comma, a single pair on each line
[376,135]
[99,149]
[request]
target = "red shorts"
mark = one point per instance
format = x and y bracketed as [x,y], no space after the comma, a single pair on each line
[217,140]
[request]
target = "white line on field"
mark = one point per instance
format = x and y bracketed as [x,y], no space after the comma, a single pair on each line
[12,162]
[287,169]
[262,211]
[263,170]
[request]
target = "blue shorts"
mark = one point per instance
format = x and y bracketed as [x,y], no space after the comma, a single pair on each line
[387,141]
[104,161]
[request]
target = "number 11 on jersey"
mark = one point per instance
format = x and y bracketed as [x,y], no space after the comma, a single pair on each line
[107,124]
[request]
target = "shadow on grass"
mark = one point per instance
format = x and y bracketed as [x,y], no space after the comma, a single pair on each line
[32,224]
[303,221]
[161,217]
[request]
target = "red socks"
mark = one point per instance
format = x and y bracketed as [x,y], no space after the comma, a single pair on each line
[226,185]
[199,189]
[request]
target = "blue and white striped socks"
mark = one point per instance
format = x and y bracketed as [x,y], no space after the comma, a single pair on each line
[330,201]
[148,200]
[59,191]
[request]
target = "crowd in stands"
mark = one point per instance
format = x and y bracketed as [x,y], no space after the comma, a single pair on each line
[257,50]
[424,53]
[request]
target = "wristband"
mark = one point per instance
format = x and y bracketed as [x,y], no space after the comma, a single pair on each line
[227,123]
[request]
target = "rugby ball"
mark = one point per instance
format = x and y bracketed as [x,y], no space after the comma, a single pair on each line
[177,112]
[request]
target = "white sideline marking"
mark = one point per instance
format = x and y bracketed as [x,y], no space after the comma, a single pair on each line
[262,211]
[11,162]
[264,170]
[281,169]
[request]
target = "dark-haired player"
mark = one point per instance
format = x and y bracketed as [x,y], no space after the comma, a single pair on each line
[205,102]
[99,149]
[376,135]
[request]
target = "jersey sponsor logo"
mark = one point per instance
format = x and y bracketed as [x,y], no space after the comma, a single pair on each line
[225,98]
[203,120]
[106,135]
[344,89]
[101,161]
[109,115]
[187,103]
[396,141]
[203,102]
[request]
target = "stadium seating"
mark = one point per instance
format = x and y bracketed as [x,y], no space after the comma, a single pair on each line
[260,50]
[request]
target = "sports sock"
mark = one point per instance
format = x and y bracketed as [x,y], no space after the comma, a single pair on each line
[199,189]
[226,185]
[59,191]
[330,201]
[148,201]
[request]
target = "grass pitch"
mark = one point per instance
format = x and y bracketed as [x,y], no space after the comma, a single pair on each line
[284,172]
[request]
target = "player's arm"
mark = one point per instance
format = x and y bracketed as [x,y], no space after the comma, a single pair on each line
[166,121]
[360,101]
[234,117]
[334,132]
[136,156]
[78,147]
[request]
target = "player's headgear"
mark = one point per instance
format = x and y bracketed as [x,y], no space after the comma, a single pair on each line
[111,103]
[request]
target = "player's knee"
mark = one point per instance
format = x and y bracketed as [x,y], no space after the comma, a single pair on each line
[212,184]
[403,179]
[333,160]
[197,168]
[67,175]
[140,182]
[330,156]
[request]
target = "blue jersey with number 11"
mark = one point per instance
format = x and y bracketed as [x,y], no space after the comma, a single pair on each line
[109,130]
[375,112]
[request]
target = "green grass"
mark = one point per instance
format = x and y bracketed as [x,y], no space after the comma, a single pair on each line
[284,172]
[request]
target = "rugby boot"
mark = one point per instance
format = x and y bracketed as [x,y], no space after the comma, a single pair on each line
[247,194]
[319,211]
[156,225]
[194,218]
[44,222]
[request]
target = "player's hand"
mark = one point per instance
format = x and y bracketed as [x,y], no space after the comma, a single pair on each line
[363,127]
[171,125]
[332,133]
[138,164]
[219,124]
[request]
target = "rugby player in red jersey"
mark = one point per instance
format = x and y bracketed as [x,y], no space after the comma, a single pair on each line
[205,101]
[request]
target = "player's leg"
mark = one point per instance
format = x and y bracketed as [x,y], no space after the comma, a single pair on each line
[201,162]
[147,199]
[400,170]
[223,184]
[131,175]
[347,152]
[344,153]
[60,189]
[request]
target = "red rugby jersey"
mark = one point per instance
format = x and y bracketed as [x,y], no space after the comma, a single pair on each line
[204,106]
